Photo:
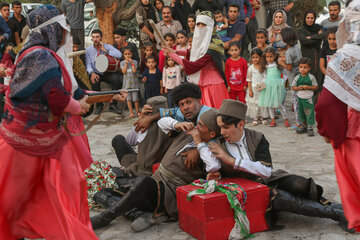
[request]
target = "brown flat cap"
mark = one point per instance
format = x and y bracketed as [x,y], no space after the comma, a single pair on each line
[157,102]
[233,108]
[209,119]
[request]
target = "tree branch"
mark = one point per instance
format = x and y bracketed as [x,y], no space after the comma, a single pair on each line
[125,14]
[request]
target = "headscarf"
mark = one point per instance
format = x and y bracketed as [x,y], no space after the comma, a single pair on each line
[207,41]
[280,26]
[314,28]
[46,29]
[343,73]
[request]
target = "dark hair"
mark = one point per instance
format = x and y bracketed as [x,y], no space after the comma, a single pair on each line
[289,36]
[307,13]
[228,120]
[166,63]
[218,12]
[17,3]
[166,7]
[76,40]
[191,15]
[190,35]
[273,52]
[181,32]
[120,31]
[151,57]
[97,31]
[329,31]
[305,60]
[258,52]
[335,3]
[348,2]
[148,44]
[185,90]
[169,35]
[159,1]
[236,44]
[261,31]
[4,4]
[235,6]
[127,48]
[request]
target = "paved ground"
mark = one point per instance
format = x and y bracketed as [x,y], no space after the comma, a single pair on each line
[299,154]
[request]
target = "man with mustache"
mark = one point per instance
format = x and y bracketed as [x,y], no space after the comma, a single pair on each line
[335,17]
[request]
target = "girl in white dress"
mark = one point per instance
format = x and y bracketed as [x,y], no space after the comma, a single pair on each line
[255,78]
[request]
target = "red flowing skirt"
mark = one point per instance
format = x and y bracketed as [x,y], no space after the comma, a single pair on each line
[43,197]
[213,95]
[347,167]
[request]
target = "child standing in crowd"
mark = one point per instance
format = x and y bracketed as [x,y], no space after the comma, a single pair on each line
[327,51]
[148,51]
[221,25]
[261,39]
[189,40]
[291,63]
[181,40]
[305,84]
[255,79]
[130,80]
[171,78]
[235,73]
[170,41]
[274,93]
[191,23]
[152,78]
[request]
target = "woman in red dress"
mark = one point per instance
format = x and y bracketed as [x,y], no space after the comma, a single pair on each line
[42,187]
[338,112]
[207,61]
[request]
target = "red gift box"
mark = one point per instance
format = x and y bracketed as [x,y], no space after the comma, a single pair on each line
[210,217]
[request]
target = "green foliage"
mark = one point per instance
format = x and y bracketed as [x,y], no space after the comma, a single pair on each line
[301,6]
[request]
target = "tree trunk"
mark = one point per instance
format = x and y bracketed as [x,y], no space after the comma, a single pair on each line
[110,13]
[106,22]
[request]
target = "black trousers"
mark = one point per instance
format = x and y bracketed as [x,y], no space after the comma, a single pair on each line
[121,147]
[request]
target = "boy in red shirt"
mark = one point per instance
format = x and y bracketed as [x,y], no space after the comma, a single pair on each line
[235,72]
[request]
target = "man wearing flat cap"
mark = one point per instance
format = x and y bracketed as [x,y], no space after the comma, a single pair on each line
[245,153]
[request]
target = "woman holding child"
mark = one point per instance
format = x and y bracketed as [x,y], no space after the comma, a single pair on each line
[206,64]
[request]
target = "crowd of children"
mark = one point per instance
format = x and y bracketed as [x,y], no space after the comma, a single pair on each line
[262,81]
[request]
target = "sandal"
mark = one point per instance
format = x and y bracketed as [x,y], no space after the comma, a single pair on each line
[131,115]
[263,122]
[287,124]
[272,124]
[255,123]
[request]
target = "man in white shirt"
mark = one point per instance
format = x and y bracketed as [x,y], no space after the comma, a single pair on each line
[245,153]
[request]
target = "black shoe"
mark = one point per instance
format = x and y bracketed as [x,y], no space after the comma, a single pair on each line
[105,199]
[285,201]
[114,109]
[301,130]
[310,132]
[99,108]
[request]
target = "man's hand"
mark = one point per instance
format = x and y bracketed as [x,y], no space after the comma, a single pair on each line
[102,47]
[246,20]
[142,124]
[192,159]
[196,136]
[94,78]
[219,153]
[288,7]
[146,111]
[251,93]
[226,45]
[213,176]
[184,126]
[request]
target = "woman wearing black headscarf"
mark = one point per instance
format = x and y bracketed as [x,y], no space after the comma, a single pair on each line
[311,36]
